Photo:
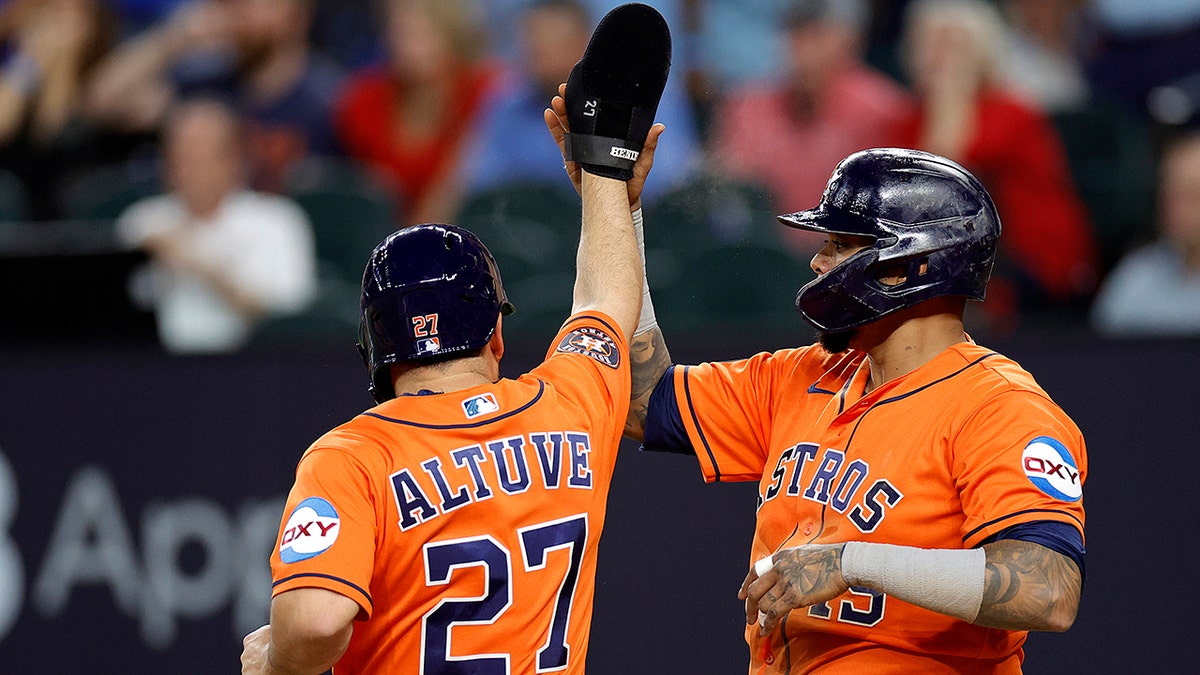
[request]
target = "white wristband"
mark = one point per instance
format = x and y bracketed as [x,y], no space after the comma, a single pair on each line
[646,320]
[947,581]
[764,565]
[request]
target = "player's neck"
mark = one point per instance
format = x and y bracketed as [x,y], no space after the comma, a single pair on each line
[911,344]
[449,376]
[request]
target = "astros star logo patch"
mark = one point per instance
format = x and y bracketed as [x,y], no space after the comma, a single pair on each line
[593,343]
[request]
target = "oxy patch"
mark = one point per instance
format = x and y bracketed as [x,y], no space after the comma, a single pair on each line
[310,531]
[1051,468]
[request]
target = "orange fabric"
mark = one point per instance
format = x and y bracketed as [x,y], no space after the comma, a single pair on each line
[467,521]
[944,457]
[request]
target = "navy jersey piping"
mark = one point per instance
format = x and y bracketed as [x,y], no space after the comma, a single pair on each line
[842,395]
[465,425]
[918,390]
[331,578]
[1020,513]
[687,392]
[595,318]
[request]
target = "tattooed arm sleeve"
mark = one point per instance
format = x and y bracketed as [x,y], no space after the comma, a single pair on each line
[650,359]
[1028,587]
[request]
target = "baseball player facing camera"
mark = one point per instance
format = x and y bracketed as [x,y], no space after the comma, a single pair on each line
[920,496]
[453,527]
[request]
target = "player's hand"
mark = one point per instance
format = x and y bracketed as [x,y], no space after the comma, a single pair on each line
[556,122]
[254,651]
[800,576]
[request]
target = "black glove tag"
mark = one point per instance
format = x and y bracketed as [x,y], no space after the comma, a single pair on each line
[614,90]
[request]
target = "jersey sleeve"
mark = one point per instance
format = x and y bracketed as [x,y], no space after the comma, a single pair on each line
[327,538]
[726,409]
[1019,459]
[588,365]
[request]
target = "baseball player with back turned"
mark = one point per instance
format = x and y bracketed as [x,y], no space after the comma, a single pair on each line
[920,496]
[453,528]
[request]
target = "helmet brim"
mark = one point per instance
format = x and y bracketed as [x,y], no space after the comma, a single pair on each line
[831,221]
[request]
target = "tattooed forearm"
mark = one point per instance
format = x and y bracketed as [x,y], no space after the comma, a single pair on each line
[650,359]
[1028,587]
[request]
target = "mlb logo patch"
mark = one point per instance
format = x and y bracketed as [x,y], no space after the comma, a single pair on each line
[593,343]
[480,405]
[310,531]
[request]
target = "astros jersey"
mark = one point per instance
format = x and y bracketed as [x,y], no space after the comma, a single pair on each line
[465,525]
[944,457]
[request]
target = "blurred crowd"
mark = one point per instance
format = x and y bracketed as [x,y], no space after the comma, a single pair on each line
[255,150]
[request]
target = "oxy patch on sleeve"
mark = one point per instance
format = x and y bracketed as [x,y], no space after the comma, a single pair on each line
[1052,469]
[311,529]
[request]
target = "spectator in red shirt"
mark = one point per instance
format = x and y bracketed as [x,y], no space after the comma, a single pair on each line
[952,50]
[789,135]
[411,116]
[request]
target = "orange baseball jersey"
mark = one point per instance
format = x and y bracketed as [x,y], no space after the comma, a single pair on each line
[465,524]
[942,458]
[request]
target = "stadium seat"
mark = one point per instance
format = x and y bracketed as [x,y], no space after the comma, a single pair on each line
[731,289]
[332,318]
[14,199]
[351,212]
[711,212]
[533,231]
[530,224]
[102,193]
[1112,164]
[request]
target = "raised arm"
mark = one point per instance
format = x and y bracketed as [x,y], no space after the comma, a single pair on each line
[648,349]
[603,119]
[608,275]
[650,359]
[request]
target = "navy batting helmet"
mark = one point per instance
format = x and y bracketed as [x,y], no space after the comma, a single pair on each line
[429,291]
[928,216]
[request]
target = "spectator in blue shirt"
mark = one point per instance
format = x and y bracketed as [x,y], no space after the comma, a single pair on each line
[512,144]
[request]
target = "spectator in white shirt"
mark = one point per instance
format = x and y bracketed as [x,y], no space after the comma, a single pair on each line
[222,256]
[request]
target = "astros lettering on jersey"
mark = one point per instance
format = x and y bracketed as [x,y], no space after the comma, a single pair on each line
[944,457]
[465,524]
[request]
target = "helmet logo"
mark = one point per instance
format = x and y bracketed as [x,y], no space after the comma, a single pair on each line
[428,345]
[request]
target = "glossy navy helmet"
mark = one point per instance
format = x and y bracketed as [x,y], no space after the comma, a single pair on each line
[929,218]
[428,292]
